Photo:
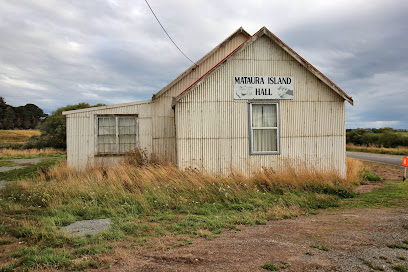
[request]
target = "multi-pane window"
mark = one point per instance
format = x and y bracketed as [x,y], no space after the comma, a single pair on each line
[117,134]
[264,128]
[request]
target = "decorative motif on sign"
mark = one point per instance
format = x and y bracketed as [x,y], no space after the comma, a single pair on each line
[263,87]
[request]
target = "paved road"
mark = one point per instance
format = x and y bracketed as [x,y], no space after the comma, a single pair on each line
[384,158]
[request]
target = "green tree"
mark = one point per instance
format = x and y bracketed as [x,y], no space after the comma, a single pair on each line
[356,136]
[23,117]
[53,129]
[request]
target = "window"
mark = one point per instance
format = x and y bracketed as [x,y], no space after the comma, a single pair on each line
[264,127]
[117,134]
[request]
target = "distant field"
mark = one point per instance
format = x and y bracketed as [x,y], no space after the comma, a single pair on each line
[403,133]
[401,150]
[16,136]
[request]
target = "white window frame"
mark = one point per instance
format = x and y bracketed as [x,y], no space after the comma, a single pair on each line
[251,129]
[117,144]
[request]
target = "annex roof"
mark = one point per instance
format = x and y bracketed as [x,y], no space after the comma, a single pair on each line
[107,107]
[290,51]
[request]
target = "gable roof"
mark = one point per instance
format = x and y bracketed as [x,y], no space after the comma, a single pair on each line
[200,61]
[290,51]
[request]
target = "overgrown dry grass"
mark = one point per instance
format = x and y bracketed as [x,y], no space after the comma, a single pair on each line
[400,150]
[151,200]
[354,169]
[7,152]
[165,185]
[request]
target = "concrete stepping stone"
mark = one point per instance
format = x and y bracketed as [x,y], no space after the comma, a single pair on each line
[87,227]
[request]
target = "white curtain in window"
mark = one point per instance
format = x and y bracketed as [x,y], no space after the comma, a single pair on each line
[265,140]
[264,127]
[264,115]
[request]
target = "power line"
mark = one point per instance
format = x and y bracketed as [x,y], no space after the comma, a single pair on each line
[168,34]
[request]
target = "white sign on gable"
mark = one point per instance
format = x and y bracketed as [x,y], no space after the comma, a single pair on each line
[263,87]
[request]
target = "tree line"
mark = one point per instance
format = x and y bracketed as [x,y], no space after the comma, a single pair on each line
[386,137]
[22,117]
[52,127]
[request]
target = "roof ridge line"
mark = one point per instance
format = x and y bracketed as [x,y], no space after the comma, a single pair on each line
[223,60]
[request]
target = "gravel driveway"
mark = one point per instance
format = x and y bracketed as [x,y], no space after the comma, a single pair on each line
[355,240]
[352,237]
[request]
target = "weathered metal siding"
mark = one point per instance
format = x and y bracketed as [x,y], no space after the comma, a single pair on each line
[163,114]
[212,127]
[81,136]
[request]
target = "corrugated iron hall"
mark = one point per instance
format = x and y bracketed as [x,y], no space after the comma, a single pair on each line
[251,102]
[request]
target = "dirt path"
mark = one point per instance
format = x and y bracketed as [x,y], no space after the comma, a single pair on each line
[21,164]
[334,240]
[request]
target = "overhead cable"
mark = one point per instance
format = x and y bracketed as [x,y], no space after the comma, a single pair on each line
[168,34]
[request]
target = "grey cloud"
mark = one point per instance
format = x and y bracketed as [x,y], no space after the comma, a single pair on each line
[55,53]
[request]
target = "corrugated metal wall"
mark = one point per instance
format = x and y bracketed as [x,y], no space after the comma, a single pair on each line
[163,114]
[212,127]
[156,119]
[81,133]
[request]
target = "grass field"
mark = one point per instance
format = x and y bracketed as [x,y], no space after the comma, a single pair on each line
[403,133]
[16,136]
[145,204]
[7,153]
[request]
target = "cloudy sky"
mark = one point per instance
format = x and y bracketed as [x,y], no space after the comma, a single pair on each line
[59,52]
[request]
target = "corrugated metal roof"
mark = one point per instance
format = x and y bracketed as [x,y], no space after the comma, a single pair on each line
[290,51]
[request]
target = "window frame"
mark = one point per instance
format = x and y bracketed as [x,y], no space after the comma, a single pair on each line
[117,144]
[251,129]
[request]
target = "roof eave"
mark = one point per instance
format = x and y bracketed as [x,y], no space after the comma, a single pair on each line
[308,66]
[107,107]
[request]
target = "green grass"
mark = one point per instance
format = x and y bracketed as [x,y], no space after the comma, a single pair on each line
[393,194]
[57,154]
[398,246]
[400,268]
[270,267]
[370,265]
[323,248]
[28,171]
[6,163]
[367,174]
